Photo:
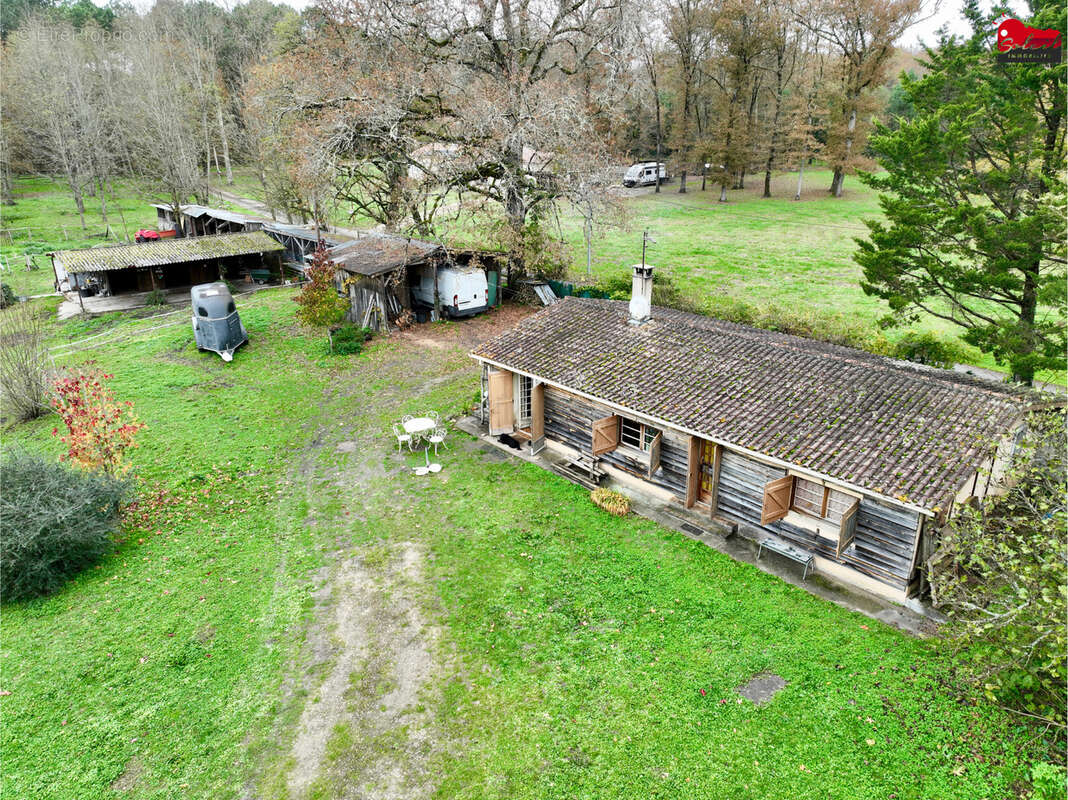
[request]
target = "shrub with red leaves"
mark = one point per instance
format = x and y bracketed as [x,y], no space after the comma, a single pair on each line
[100,427]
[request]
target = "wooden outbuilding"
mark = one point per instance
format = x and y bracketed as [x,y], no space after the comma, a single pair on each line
[167,263]
[300,241]
[849,457]
[378,270]
[375,272]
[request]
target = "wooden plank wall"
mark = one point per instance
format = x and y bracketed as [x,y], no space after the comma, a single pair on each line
[883,547]
[569,420]
[884,534]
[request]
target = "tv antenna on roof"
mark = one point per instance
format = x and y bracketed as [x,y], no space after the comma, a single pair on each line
[646,241]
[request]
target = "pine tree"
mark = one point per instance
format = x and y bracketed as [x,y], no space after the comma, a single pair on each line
[973,196]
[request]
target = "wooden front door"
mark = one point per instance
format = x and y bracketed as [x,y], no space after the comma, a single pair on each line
[502,414]
[708,471]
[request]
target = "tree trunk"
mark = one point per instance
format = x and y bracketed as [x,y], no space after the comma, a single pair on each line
[225,144]
[1023,369]
[78,201]
[103,205]
[839,171]
[836,181]
[682,181]
[800,177]
[656,94]
[207,146]
[516,211]
[7,194]
[723,192]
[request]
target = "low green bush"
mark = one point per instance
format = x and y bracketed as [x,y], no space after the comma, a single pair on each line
[833,328]
[54,522]
[928,348]
[665,292]
[1049,781]
[349,339]
[39,248]
[7,296]
[157,297]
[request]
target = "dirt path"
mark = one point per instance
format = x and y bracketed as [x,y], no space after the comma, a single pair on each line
[264,211]
[363,732]
[363,693]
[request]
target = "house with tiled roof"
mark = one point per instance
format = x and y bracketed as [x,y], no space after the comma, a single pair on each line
[851,459]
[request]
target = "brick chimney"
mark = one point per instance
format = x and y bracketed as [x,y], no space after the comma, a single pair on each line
[641,294]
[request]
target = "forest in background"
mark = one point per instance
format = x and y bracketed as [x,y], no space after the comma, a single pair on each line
[492,119]
[397,110]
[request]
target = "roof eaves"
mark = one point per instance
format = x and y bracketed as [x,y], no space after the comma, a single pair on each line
[714,439]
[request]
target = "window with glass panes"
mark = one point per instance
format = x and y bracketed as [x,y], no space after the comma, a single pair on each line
[817,500]
[636,434]
[525,384]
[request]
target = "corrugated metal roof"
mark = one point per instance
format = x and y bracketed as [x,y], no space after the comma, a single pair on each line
[305,232]
[191,210]
[899,429]
[166,251]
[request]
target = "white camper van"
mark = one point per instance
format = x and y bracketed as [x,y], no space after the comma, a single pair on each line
[645,173]
[462,292]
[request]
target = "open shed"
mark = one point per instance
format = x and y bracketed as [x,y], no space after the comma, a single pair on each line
[167,263]
[375,272]
[299,241]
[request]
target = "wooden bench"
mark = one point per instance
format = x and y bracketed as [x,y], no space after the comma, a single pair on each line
[582,470]
[777,545]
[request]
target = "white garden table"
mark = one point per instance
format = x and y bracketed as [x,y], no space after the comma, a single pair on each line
[418,426]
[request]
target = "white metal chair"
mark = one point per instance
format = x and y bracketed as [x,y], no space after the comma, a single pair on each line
[434,415]
[438,437]
[403,437]
[407,418]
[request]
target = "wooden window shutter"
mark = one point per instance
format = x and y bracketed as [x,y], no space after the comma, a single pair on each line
[537,418]
[654,454]
[693,471]
[777,495]
[502,415]
[605,435]
[717,464]
[847,528]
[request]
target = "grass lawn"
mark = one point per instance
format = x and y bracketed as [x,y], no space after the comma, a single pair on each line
[44,218]
[793,255]
[563,650]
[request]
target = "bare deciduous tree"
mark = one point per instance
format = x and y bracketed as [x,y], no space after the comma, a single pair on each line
[862,33]
[24,363]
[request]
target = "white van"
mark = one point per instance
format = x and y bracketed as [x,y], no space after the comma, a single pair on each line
[463,292]
[645,173]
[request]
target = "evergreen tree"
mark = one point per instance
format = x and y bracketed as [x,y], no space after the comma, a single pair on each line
[973,196]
